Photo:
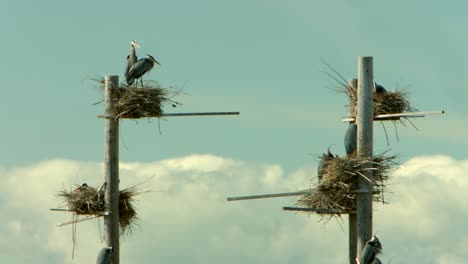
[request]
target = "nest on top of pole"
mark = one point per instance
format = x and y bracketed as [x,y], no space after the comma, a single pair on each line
[336,191]
[89,201]
[140,100]
[388,102]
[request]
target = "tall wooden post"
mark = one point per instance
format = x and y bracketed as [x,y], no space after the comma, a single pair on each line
[365,123]
[111,170]
[352,218]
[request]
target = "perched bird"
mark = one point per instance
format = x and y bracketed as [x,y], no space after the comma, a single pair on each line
[350,139]
[370,251]
[379,88]
[82,187]
[132,57]
[326,157]
[104,256]
[141,67]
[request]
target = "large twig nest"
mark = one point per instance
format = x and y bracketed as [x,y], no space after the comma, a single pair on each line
[395,102]
[86,200]
[340,177]
[140,101]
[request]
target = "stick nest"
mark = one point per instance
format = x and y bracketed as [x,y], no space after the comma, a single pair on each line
[384,103]
[86,200]
[140,101]
[340,178]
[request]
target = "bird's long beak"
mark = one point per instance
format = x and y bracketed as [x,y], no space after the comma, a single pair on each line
[135,44]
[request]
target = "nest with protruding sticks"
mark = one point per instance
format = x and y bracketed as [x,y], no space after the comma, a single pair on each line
[86,200]
[384,103]
[137,101]
[340,180]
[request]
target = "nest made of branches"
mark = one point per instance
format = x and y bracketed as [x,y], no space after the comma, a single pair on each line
[340,179]
[395,102]
[140,100]
[86,200]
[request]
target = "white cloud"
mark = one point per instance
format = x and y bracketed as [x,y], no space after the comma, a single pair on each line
[185,217]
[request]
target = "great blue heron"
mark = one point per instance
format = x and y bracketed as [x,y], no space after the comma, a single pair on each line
[141,67]
[132,57]
[350,139]
[379,88]
[82,187]
[370,251]
[104,256]
[326,157]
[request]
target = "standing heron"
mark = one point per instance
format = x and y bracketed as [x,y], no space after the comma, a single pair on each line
[379,88]
[105,256]
[141,67]
[132,57]
[350,140]
[370,251]
[326,157]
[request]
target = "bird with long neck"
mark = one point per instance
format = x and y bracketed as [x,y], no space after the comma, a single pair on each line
[132,57]
[140,68]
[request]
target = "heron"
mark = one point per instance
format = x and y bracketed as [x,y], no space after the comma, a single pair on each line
[326,157]
[132,57]
[82,187]
[372,248]
[141,67]
[379,88]
[350,139]
[105,256]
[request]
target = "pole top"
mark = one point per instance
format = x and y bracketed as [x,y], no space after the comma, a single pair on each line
[111,77]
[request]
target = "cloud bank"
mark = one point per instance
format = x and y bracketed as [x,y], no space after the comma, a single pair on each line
[186,219]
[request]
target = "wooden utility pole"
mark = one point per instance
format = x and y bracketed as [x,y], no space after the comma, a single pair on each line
[352,218]
[365,125]
[111,170]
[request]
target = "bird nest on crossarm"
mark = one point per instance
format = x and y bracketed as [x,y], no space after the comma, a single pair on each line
[140,101]
[384,103]
[89,201]
[336,190]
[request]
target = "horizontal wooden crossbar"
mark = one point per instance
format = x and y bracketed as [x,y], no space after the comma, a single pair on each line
[390,116]
[177,114]
[319,210]
[276,195]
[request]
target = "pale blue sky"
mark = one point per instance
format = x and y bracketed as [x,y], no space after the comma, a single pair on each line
[261,58]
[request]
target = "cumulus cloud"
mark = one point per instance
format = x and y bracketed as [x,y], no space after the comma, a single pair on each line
[185,217]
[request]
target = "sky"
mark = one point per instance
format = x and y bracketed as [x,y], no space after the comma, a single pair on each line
[263,59]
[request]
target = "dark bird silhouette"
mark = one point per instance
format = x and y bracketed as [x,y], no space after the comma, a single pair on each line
[350,139]
[82,187]
[105,256]
[379,88]
[370,251]
[326,157]
[132,57]
[140,68]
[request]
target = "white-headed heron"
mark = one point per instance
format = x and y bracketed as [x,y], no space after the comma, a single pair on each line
[132,57]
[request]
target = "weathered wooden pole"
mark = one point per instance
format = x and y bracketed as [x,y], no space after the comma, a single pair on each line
[111,170]
[352,218]
[365,124]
